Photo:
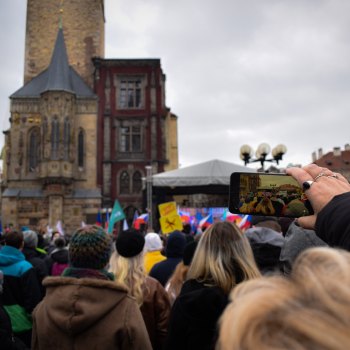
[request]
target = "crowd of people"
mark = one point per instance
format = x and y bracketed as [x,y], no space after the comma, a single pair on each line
[281,284]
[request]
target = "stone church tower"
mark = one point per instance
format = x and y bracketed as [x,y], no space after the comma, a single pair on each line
[51,146]
[84,34]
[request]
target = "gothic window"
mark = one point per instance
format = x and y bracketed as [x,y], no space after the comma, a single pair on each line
[33,150]
[124,183]
[137,182]
[81,148]
[66,139]
[130,92]
[55,138]
[130,139]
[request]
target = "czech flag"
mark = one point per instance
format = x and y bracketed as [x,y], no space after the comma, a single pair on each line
[142,219]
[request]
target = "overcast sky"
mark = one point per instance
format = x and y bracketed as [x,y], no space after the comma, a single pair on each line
[238,71]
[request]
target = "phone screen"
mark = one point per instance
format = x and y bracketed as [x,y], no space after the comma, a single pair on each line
[267,195]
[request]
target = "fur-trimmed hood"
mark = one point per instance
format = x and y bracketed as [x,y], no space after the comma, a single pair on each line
[88,313]
[74,304]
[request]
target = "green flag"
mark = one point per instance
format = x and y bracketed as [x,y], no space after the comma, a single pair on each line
[117,215]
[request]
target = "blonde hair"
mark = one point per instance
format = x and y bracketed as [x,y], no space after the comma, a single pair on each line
[175,282]
[223,257]
[131,273]
[309,311]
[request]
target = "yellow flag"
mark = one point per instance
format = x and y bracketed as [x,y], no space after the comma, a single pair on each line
[167,209]
[170,223]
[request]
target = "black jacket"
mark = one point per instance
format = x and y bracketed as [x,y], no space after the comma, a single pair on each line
[333,222]
[194,316]
[37,260]
[58,255]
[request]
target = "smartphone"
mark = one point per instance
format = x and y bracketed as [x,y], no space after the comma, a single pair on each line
[267,194]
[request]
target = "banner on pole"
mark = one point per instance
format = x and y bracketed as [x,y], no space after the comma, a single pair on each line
[117,215]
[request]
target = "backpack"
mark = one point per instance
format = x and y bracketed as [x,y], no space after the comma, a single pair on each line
[58,268]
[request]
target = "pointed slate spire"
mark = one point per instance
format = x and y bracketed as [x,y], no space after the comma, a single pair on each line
[58,70]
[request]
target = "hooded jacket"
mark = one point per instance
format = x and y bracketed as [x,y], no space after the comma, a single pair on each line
[21,288]
[194,317]
[87,314]
[266,245]
[297,240]
[174,253]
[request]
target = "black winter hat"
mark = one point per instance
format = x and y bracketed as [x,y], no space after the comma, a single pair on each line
[190,249]
[129,243]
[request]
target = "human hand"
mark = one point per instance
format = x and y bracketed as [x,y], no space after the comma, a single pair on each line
[324,187]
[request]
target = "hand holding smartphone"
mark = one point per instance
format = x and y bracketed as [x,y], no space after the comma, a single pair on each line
[268,195]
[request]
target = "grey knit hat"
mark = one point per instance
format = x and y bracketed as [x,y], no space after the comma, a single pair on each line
[30,239]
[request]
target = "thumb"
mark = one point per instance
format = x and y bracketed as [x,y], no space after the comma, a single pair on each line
[307,222]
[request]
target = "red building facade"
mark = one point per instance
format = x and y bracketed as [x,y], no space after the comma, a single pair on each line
[134,128]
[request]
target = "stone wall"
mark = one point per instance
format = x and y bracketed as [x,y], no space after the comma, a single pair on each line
[83,28]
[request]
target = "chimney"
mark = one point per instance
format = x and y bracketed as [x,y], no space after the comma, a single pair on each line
[347,147]
[320,153]
[314,157]
[336,151]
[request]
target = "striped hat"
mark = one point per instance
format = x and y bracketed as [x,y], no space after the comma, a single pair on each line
[90,248]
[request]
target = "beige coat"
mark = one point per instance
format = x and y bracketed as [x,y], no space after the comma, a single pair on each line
[87,314]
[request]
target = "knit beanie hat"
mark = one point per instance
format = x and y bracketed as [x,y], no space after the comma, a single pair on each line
[129,243]
[153,242]
[30,239]
[90,248]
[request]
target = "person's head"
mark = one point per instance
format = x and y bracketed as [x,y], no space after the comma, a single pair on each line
[187,229]
[30,239]
[127,263]
[59,242]
[266,245]
[266,221]
[308,311]
[14,239]
[55,234]
[153,242]
[90,248]
[223,257]
[176,243]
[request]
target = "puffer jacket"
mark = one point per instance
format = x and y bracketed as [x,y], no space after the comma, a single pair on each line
[87,313]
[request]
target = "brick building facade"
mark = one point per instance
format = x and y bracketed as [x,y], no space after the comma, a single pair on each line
[135,125]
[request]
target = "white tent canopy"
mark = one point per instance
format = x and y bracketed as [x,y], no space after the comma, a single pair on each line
[213,172]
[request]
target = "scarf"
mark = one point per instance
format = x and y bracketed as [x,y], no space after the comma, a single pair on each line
[87,273]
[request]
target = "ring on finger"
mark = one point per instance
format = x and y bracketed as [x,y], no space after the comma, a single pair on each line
[319,175]
[307,184]
[335,176]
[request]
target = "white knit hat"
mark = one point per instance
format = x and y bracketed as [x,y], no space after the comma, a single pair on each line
[153,242]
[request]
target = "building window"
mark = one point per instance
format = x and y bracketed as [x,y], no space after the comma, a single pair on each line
[124,187]
[34,150]
[66,140]
[130,93]
[130,138]
[137,182]
[81,148]
[55,138]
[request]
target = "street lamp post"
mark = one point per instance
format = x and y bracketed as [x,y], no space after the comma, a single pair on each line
[149,195]
[246,153]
